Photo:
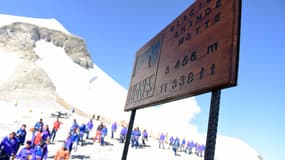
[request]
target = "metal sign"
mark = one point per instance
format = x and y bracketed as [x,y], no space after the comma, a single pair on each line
[194,54]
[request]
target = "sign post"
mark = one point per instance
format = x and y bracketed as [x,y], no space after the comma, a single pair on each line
[196,53]
[212,125]
[127,142]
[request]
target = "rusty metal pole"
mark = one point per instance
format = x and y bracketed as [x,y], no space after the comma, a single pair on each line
[212,125]
[127,142]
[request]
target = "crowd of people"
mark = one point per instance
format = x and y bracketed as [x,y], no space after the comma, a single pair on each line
[17,146]
[138,140]
[177,145]
[34,148]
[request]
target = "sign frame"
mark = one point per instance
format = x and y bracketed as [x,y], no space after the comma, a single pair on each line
[196,53]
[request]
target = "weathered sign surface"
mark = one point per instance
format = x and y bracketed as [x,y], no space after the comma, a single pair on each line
[194,54]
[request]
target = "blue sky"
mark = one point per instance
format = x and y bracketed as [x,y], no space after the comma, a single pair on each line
[114,30]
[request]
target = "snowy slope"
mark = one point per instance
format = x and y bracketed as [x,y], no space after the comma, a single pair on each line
[91,90]
[234,149]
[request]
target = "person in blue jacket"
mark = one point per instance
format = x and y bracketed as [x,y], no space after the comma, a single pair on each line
[39,125]
[190,146]
[42,150]
[123,134]
[171,140]
[21,134]
[68,142]
[27,152]
[200,149]
[161,140]
[104,133]
[182,145]
[82,130]
[8,146]
[38,152]
[89,127]
[144,137]
[136,133]
[176,145]
[74,126]
[113,129]
[46,134]
[75,138]
[71,140]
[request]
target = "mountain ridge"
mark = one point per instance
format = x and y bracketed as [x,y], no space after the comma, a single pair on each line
[36,57]
[23,36]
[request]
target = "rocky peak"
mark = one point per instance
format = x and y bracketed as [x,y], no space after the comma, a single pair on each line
[22,37]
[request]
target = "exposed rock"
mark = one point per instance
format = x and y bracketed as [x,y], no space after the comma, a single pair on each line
[23,37]
[29,83]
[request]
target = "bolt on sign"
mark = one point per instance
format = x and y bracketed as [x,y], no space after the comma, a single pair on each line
[196,53]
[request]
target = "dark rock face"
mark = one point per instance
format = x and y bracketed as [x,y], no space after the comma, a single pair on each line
[23,37]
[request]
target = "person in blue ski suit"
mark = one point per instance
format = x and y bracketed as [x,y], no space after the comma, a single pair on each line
[113,129]
[135,137]
[123,134]
[26,152]
[104,133]
[89,127]
[8,146]
[21,134]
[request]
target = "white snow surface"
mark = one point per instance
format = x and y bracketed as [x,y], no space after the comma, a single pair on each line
[77,85]
[93,91]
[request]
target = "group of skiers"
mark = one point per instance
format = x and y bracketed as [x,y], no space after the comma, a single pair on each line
[35,148]
[177,145]
[15,146]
